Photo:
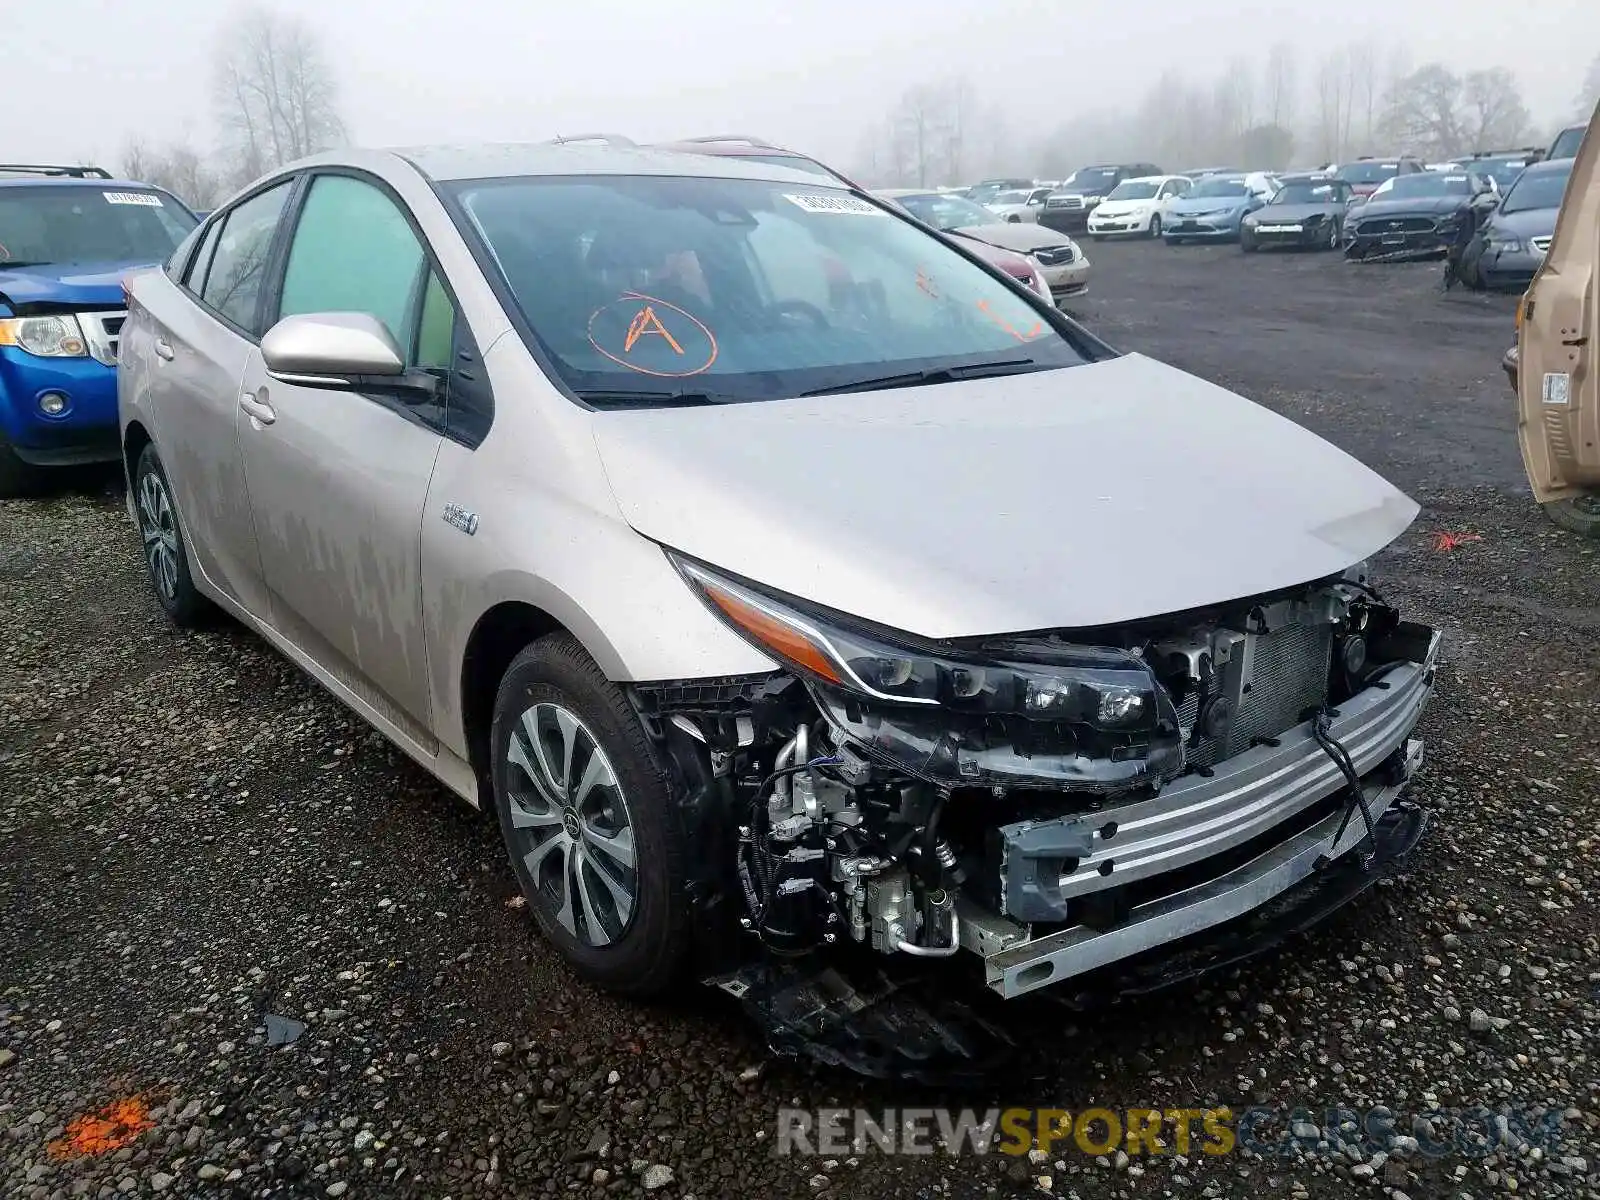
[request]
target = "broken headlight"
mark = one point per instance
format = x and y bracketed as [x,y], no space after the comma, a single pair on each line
[1031,709]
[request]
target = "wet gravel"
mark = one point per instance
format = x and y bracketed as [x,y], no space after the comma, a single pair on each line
[204,856]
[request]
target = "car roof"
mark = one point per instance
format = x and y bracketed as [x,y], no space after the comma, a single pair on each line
[62,181]
[1309,177]
[514,159]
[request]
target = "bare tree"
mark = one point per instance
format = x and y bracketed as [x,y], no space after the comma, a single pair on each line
[1424,111]
[1589,97]
[1496,115]
[1333,105]
[178,167]
[1366,94]
[275,92]
[1279,86]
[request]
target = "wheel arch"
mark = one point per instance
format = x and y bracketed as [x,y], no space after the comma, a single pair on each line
[498,636]
[134,439]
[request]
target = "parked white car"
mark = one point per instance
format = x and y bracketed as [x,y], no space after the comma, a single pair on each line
[1137,206]
[1019,204]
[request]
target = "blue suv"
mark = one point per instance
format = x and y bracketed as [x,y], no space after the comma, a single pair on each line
[67,236]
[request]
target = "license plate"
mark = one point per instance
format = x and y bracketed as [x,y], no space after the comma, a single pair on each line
[1278,228]
[1186,225]
[1394,239]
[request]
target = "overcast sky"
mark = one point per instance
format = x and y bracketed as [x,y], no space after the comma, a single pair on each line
[83,75]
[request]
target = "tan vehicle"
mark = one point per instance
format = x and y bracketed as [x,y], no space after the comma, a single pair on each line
[1558,325]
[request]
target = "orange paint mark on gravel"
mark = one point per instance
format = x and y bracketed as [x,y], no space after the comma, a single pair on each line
[94,1134]
[1446,542]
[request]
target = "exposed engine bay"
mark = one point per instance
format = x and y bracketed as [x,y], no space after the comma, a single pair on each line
[1043,807]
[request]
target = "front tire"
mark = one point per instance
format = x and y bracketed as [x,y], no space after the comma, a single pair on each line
[166,553]
[17,478]
[1155,225]
[588,819]
[1335,237]
[1580,514]
[1247,244]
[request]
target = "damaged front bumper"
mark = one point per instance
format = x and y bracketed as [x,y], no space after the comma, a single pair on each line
[1100,874]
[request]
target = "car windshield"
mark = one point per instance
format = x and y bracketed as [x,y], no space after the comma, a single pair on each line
[1536,189]
[70,223]
[1425,183]
[1302,192]
[1368,172]
[945,210]
[1567,143]
[1503,171]
[1091,177]
[986,193]
[653,290]
[1133,189]
[1215,187]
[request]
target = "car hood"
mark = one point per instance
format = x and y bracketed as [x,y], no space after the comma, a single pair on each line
[1295,212]
[1530,222]
[1111,208]
[1021,237]
[1187,206]
[65,283]
[1411,206]
[1059,499]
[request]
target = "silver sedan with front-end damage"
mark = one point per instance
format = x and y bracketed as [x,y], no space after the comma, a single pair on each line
[787,580]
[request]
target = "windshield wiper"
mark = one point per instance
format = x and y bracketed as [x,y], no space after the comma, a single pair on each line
[9,264]
[1009,366]
[642,398]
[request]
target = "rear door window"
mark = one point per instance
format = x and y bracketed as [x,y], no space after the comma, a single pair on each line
[239,263]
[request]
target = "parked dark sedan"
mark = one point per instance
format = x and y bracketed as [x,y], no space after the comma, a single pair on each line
[1414,216]
[1308,210]
[1514,240]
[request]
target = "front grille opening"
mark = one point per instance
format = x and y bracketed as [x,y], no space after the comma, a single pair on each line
[1289,669]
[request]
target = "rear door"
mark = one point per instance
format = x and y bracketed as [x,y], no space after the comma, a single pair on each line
[1558,396]
[203,327]
[338,479]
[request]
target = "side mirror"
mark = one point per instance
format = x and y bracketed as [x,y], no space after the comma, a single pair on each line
[339,350]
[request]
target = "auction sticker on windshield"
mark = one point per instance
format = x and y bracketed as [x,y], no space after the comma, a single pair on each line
[148,199]
[843,205]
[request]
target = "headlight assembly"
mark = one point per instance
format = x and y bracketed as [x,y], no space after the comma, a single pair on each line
[46,337]
[1006,710]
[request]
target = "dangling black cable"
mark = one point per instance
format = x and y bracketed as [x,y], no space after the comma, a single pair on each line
[1320,730]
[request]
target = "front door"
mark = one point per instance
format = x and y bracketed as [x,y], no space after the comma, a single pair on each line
[1558,393]
[338,479]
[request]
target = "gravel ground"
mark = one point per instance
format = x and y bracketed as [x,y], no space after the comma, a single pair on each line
[197,839]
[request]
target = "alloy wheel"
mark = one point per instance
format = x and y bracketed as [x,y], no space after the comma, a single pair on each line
[570,825]
[159,528]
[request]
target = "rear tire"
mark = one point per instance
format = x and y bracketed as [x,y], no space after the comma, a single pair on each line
[599,852]
[17,478]
[1580,514]
[166,552]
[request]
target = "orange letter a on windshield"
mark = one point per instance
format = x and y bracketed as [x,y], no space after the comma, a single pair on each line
[645,321]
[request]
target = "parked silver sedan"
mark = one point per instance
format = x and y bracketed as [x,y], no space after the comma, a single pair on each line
[770,565]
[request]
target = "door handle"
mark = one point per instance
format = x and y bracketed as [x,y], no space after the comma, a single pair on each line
[164,349]
[259,410]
